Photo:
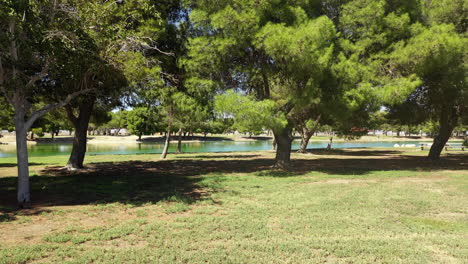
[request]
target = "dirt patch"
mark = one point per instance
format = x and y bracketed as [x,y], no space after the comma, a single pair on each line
[27,234]
[342,181]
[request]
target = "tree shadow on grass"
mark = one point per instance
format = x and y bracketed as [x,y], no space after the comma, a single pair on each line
[9,165]
[351,152]
[259,138]
[9,213]
[222,156]
[57,139]
[140,182]
[360,166]
[134,182]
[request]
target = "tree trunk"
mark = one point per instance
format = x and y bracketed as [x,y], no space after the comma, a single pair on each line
[329,146]
[283,139]
[306,134]
[22,160]
[448,121]
[305,137]
[179,143]
[166,145]
[81,124]
[79,149]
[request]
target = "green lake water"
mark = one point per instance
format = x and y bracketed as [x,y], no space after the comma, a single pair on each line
[51,149]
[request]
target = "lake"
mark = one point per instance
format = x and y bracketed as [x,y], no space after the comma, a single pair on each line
[51,149]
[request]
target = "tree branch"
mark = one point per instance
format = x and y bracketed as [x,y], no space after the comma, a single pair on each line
[44,110]
[287,107]
[41,75]
[317,121]
[70,114]
[137,44]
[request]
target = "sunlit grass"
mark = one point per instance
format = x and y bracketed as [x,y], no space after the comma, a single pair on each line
[327,215]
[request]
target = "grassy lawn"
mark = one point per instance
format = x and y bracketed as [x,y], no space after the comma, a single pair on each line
[342,206]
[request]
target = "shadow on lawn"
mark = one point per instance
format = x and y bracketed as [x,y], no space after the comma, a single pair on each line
[9,165]
[57,139]
[351,152]
[223,156]
[259,138]
[139,182]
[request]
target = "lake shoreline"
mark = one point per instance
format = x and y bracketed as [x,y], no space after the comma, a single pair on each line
[10,139]
[156,147]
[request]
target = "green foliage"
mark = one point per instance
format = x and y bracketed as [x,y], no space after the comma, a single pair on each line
[446,12]
[38,131]
[6,115]
[100,116]
[142,121]
[437,56]
[297,57]
[186,112]
[119,120]
[302,55]
[249,114]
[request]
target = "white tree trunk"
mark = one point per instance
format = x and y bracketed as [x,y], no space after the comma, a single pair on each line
[22,160]
[17,95]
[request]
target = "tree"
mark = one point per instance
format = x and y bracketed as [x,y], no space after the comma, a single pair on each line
[118,121]
[415,56]
[248,114]
[127,35]
[188,115]
[142,121]
[53,122]
[437,55]
[276,53]
[35,35]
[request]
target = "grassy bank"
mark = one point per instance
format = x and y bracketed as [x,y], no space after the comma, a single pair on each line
[343,206]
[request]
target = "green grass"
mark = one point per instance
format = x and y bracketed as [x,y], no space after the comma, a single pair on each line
[366,206]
